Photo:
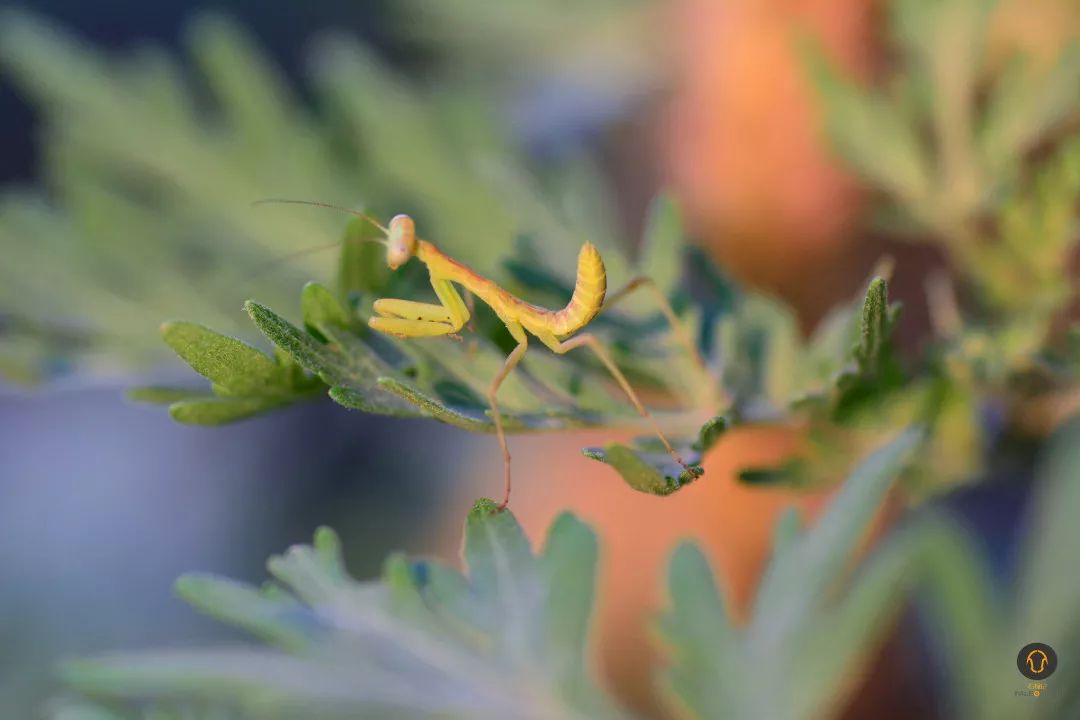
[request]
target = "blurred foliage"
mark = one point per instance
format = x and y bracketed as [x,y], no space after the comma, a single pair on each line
[983,160]
[509,638]
[985,164]
[149,177]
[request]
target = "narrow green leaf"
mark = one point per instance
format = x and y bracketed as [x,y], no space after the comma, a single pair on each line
[790,473]
[649,470]
[835,642]
[280,620]
[1048,597]
[662,245]
[794,583]
[315,573]
[706,675]
[959,587]
[321,309]
[711,432]
[473,419]
[354,368]
[569,565]
[222,410]
[232,365]
[496,550]
[257,678]
[787,532]
[873,137]
[874,330]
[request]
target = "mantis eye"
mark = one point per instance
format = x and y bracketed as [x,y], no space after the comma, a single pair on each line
[401,241]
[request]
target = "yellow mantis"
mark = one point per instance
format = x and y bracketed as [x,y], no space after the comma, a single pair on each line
[559,330]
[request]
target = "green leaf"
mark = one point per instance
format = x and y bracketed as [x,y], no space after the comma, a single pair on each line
[707,673]
[790,473]
[211,410]
[235,367]
[646,467]
[278,619]
[877,140]
[1048,598]
[321,309]
[354,367]
[509,635]
[245,381]
[1025,104]
[663,242]
[711,432]
[794,583]
[568,566]
[876,368]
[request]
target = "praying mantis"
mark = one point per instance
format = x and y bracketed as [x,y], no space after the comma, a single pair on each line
[559,330]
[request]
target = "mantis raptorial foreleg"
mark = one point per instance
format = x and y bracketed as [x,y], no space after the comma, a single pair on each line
[644,281]
[512,360]
[565,346]
[408,318]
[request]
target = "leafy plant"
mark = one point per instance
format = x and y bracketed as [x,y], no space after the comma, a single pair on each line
[984,164]
[506,640]
[509,638]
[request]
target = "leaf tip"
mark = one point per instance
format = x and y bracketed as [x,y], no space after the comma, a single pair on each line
[483,508]
[326,541]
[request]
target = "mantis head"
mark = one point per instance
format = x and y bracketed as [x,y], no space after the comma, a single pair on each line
[400,241]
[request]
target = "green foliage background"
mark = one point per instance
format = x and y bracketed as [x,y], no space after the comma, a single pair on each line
[985,165]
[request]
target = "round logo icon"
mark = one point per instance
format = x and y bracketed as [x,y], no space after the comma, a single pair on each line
[1036,661]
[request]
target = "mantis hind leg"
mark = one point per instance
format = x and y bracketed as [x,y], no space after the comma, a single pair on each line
[563,347]
[511,362]
[643,281]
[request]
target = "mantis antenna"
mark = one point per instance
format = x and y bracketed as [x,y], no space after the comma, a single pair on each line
[316,203]
[316,248]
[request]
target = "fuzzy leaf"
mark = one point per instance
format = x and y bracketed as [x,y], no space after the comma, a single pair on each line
[794,582]
[233,366]
[278,619]
[647,468]
[355,368]
[245,382]
[705,676]
[211,410]
[321,309]
[502,641]
[876,368]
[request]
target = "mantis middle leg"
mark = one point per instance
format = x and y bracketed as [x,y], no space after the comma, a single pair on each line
[590,340]
[512,360]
